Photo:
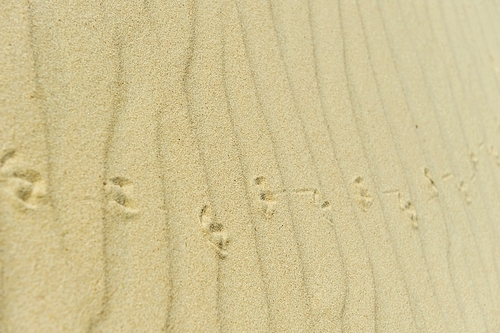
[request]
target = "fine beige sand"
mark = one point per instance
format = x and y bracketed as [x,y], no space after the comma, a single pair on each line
[250,166]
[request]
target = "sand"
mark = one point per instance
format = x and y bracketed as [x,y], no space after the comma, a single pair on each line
[250,166]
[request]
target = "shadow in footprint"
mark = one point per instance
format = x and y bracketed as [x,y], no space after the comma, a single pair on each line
[119,192]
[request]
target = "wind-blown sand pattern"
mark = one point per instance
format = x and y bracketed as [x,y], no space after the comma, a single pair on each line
[250,166]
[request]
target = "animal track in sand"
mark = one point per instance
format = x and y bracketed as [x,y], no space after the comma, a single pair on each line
[214,232]
[361,194]
[464,189]
[432,184]
[447,176]
[474,160]
[268,198]
[119,193]
[409,209]
[406,206]
[494,154]
[22,183]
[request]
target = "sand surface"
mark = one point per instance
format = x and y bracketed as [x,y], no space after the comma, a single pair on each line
[250,166]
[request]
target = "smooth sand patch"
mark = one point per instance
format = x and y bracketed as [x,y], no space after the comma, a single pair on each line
[249,166]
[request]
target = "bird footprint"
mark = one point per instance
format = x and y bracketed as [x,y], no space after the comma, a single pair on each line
[21,182]
[214,232]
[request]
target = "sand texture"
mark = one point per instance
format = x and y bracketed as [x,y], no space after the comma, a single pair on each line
[249,166]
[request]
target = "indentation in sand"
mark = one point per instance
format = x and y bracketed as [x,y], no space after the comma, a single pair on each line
[361,194]
[24,184]
[268,198]
[431,183]
[214,232]
[119,192]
